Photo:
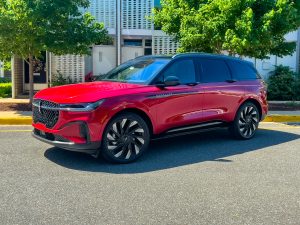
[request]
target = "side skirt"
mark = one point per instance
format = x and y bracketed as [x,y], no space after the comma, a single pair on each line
[191,129]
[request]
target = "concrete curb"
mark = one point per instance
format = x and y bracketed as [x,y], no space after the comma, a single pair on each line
[21,120]
[27,120]
[282,118]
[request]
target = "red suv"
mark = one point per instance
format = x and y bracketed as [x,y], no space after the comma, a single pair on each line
[151,97]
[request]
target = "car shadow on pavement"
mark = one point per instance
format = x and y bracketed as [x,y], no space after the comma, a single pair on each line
[175,152]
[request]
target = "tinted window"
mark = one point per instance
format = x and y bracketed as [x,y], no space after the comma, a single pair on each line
[133,42]
[243,71]
[183,69]
[136,71]
[214,70]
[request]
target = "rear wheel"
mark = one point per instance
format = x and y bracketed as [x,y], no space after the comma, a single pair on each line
[246,121]
[125,138]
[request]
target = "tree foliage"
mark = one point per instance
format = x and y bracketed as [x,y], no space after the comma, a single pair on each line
[7,65]
[252,28]
[29,27]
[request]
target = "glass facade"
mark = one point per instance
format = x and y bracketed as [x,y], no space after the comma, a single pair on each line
[157,3]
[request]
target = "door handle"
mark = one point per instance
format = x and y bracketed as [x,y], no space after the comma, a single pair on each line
[231,81]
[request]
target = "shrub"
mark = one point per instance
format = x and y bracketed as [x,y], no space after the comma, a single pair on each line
[296,87]
[5,90]
[283,84]
[59,79]
[4,80]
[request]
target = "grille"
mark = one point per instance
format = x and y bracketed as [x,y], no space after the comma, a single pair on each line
[45,112]
[60,138]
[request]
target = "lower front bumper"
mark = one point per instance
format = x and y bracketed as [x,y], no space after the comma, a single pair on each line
[89,148]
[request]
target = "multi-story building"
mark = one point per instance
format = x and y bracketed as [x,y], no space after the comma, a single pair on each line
[133,34]
[128,23]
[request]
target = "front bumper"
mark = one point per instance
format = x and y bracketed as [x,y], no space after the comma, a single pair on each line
[89,147]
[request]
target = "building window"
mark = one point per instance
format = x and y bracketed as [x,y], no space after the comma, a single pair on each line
[132,42]
[148,43]
[157,3]
[134,14]
[100,56]
[148,51]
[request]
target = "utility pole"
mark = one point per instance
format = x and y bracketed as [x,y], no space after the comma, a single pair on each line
[298,52]
[118,31]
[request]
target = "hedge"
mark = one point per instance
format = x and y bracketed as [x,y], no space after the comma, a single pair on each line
[283,85]
[5,90]
[4,80]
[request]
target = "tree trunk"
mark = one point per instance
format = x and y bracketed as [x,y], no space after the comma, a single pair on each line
[30,78]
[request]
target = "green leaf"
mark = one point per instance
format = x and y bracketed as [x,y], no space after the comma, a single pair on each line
[254,28]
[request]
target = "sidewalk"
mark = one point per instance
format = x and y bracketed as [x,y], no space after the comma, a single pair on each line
[11,100]
[290,113]
[24,118]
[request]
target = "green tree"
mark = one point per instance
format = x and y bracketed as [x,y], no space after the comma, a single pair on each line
[29,27]
[7,65]
[252,28]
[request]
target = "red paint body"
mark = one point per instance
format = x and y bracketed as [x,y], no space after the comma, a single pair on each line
[166,108]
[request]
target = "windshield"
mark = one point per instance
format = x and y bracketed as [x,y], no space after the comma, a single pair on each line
[137,71]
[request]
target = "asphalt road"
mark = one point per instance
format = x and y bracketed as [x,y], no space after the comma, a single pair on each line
[201,179]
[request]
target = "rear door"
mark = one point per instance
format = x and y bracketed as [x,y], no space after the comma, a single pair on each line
[221,93]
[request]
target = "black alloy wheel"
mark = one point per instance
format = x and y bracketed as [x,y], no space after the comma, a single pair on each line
[125,138]
[246,121]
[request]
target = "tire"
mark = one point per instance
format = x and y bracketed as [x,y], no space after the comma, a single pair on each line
[246,122]
[125,139]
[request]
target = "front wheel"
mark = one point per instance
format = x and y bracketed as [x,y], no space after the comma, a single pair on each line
[246,121]
[125,138]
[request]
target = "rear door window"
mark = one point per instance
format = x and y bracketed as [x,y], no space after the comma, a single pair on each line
[214,70]
[242,70]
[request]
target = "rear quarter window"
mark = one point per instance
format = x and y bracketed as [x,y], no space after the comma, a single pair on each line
[243,70]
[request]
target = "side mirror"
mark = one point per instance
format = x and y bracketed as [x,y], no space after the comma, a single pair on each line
[169,82]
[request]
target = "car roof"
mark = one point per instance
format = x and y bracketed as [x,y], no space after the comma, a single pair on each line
[194,54]
[208,55]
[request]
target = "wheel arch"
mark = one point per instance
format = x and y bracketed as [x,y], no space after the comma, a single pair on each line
[256,103]
[140,113]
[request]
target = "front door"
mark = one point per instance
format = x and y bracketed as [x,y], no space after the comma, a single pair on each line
[180,105]
[39,73]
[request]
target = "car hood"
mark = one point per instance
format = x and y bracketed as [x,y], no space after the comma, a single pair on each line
[86,92]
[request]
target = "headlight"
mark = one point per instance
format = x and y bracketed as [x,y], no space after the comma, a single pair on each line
[80,107]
